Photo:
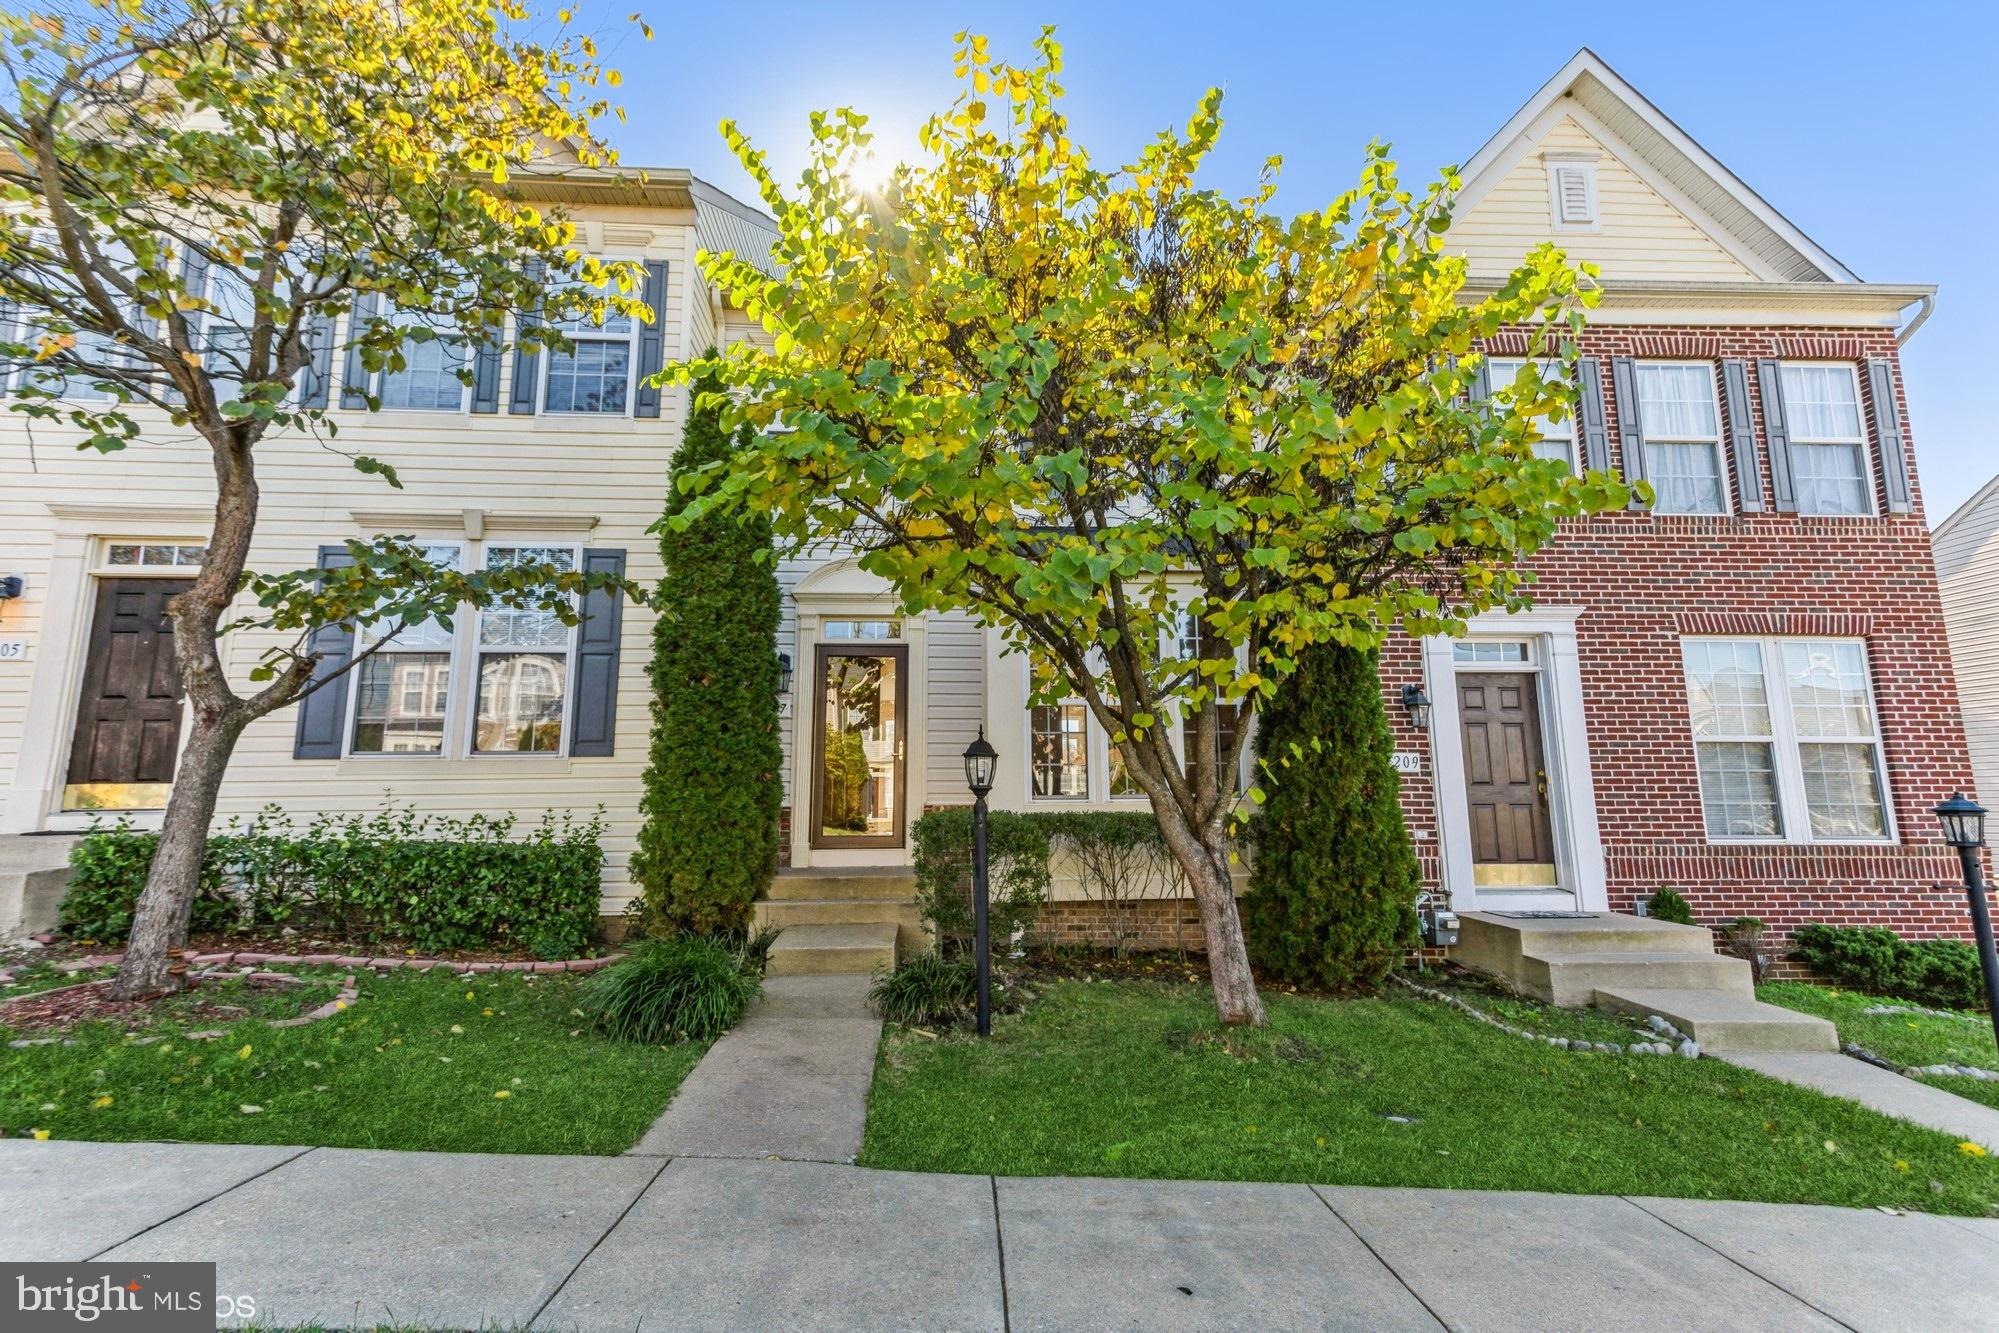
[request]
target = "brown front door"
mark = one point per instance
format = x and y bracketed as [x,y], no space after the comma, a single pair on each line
[859,733]
[128,720]
[1506,780]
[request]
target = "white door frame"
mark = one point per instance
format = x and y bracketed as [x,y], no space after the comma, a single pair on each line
[1579,867]
[843,591]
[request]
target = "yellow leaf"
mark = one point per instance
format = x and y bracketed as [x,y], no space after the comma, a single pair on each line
[502,1094]
[244,1054]
[101,1102]
[41,1135]
[1970,1149]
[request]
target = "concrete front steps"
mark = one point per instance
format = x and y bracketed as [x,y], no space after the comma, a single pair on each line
[1637,965]
[34,872]
[841,920]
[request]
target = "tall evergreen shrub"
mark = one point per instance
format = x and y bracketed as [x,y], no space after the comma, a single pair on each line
[708,842]
[1333,878]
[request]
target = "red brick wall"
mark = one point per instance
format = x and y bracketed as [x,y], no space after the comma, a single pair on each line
[1646,580]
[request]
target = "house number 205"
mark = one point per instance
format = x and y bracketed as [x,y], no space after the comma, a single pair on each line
[13,650]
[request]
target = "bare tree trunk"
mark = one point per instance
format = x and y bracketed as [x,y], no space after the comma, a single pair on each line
[159,926]
[1206,862]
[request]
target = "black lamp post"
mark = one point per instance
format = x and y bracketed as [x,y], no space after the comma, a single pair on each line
[1963,823]
[980,760]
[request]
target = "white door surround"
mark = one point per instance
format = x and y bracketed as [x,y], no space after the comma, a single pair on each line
[1556,666]
[834,592]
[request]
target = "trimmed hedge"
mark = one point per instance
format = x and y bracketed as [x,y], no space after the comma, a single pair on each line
[1873,958]
[434,882]
[1017,872]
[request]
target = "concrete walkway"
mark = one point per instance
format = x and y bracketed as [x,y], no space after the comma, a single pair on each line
[791,1080]
[1879,1089]
[342,1237]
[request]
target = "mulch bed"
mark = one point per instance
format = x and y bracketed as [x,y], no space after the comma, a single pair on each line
[61,950]
[66,1008]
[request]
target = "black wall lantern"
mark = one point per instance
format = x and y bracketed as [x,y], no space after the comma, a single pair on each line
[980,761]
[1963,821]
[783,675]
[10,586]
[1418,704]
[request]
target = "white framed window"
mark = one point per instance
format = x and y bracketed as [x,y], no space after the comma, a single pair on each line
[1786,740]
[1504,654]
[401,696]
[595,376]
[430,378]
[1572,193]
[1553,439]
[496,683]
[1059,751]
[1830,468]
[126,557]
[524,665]
[1676,403]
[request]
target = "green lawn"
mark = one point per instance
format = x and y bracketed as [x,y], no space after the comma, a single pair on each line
[1133,1079]
[495,1063]
[1904,1039]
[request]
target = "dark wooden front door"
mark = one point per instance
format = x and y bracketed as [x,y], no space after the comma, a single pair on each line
[128,719]
[1506,780]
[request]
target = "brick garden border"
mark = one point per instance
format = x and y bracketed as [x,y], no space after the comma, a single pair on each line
[382,964]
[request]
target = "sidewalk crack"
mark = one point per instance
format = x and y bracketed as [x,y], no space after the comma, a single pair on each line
[617,1221]
[1369,1247]
[202,1203]
[1760,1277]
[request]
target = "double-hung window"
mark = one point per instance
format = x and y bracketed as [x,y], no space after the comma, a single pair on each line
[1059,751]
[1683,462]
[431,377]
[1786,739]
[1553,439]
[224,333]
[402,693]
[595,375]
[523,666]
[1828,450]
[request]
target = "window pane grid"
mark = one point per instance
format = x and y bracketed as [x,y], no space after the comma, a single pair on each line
[1828,444]
[592,377]
[1682,438]
[428,381]
[1554,439]
[1060,749]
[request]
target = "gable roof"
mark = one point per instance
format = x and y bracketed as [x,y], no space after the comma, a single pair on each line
[1668,150]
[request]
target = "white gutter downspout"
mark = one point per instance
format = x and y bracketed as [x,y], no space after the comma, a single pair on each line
[1908,331]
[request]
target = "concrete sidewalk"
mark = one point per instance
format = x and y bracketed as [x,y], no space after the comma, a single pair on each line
[341,1237]
[1880,1090]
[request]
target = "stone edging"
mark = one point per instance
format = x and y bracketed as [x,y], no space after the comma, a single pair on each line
[1675,1040]
[1859,1052]
[349,992]
[382,964]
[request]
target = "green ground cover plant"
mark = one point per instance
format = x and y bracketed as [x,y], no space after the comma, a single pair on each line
[1903,1039]
[499,1062]
[1873,958]
[678,988]
[1137,1079]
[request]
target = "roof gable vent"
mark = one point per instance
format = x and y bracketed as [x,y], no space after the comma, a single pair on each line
[1572,193]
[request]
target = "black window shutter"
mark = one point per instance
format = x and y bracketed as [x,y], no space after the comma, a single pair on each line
[597,659]
[1742,436]
[1630,428]
[652,340]
[354,375]
[1595,434]
[1889,445]
[322,715]
[1778,435]
[313,379]
[486,373]
[526,367]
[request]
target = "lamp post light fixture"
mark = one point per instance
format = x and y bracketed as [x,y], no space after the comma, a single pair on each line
[980,761]
[1963,821]
[1418,704]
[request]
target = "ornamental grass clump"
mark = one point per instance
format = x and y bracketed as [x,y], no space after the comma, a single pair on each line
[683,988]
[926,991]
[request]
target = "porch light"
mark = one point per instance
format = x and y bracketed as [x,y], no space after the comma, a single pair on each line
[783,674]
[1963,821]
[980,760]
[1418,704]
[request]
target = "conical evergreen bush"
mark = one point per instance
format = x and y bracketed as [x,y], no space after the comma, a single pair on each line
[708,843]
[1333,876]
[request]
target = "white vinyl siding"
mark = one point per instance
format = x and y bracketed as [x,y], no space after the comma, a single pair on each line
[1786,739]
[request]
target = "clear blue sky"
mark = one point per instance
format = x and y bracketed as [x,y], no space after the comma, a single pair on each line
[1871,126]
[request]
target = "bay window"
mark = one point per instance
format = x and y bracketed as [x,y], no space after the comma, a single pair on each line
[1828,450]
[1787,743]
[1682,438]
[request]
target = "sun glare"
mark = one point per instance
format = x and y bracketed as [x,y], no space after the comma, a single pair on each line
[867,173]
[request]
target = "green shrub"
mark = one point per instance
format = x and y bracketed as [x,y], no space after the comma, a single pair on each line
[1876,959]
[1017,848]
[433,882]
[108,869]
[926,991]
[1668,905]
[681,988]
[708,843]
[1333,878]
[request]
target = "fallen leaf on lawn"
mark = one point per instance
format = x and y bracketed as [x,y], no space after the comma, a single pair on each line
[1901,1166]
[244,1054]
[1973,1149]
[457,1031]
[503,1094]
[41,1135]
[102,1102]
[485,1013]
[248,1109]
[468,994]
[445,1058]
[1830,1146]
[49,1106]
